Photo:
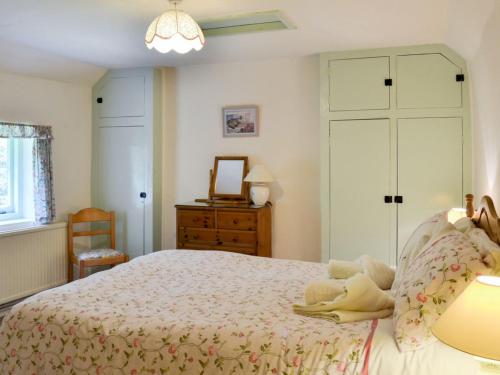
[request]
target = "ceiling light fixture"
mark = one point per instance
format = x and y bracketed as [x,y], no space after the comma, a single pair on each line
[174,30]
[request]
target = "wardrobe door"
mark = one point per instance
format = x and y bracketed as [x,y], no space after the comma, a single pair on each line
[122,97]
[359,84]
[122,177]
[427,81]
[360,178]
[429,170]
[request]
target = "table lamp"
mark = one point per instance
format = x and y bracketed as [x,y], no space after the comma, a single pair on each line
[456,214]
[471,323]
[259,176]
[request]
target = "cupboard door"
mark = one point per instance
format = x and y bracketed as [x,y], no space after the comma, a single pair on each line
[429,170]
[122,97]
[122,177]
[359,84]
[427,81]
[360,153]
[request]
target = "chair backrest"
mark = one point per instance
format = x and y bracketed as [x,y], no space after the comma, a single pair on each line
[91,215]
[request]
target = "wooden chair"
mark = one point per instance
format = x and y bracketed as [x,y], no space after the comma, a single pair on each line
[92,257]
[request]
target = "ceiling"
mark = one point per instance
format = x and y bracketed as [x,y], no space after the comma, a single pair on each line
[110,33]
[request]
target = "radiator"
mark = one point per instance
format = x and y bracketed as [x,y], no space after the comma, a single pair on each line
[31,261]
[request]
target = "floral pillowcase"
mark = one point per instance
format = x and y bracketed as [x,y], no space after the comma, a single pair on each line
[430,283]
[430,229]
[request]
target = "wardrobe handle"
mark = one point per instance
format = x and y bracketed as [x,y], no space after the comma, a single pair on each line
[388,198]
[398,199]
[143,195]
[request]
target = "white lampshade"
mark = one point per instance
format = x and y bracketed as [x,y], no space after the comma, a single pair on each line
[259,173]
[471,323]
[456,214]
[175,30]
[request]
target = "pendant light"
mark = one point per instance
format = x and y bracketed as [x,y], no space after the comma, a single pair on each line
[174,30]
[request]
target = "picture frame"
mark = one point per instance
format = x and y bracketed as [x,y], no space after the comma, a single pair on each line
[240,121]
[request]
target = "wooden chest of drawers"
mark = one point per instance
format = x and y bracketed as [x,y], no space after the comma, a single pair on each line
[245,230]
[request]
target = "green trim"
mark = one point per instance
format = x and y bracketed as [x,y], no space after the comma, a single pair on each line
[232,30]
[245,23]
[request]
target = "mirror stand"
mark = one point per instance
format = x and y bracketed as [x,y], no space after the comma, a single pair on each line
[227,185]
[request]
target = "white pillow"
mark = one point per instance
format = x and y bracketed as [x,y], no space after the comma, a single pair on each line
[464,225]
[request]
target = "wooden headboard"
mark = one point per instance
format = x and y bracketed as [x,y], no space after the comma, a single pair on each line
[485,216]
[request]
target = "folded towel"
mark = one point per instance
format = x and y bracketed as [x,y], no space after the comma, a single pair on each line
[380,273]
[360,296]
[341,316]
[323,290]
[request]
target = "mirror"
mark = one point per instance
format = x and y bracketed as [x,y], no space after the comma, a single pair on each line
[227,179]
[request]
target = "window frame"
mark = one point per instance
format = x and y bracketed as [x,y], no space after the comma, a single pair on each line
[15,161]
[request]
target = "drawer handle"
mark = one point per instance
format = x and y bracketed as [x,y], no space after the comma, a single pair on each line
[236,221]
[196,219]
[196,236]
[235,239]
[186,236]
[219,243]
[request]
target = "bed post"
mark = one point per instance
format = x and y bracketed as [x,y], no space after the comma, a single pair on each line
[469,205]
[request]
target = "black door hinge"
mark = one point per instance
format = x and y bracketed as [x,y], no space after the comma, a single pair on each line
[460,77]
[99,100]
[388,198]
[388,82]
[398,199]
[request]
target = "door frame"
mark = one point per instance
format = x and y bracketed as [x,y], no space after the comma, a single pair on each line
[393,114]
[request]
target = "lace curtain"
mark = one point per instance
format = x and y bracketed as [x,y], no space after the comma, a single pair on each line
[45,209]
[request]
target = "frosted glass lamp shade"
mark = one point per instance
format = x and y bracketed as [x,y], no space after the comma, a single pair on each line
[259,174]
[471,323]
[456,214]
[174,30]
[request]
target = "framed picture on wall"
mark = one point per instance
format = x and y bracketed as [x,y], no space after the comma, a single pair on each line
[240,121]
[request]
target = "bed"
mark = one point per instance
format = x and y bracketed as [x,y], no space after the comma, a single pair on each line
[202,312]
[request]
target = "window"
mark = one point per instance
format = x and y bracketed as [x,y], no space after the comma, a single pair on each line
[16,180]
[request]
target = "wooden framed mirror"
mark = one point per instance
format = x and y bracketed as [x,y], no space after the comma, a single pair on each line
[226,181]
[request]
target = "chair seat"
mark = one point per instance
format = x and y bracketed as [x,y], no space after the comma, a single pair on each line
[98,254]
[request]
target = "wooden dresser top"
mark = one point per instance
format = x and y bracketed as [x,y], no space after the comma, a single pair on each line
[219,205]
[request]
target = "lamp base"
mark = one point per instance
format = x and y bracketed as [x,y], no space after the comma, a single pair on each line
[488,366]
[259,194]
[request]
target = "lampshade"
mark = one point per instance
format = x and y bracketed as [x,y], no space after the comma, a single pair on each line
[174,30]
[259,173]
[456,214]
[471,324]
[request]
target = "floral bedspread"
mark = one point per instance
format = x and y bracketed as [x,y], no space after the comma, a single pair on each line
[180,311]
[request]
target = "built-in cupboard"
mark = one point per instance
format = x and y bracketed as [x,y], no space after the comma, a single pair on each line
[395,145]
[126,156]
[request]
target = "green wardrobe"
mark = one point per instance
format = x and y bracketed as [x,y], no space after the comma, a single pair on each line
[396,145]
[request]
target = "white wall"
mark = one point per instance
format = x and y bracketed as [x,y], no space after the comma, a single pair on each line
[484,68]
[67,108]
[287,93]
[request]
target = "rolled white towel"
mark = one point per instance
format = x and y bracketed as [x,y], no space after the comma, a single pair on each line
[342,269]
[323,290]
[379,272]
